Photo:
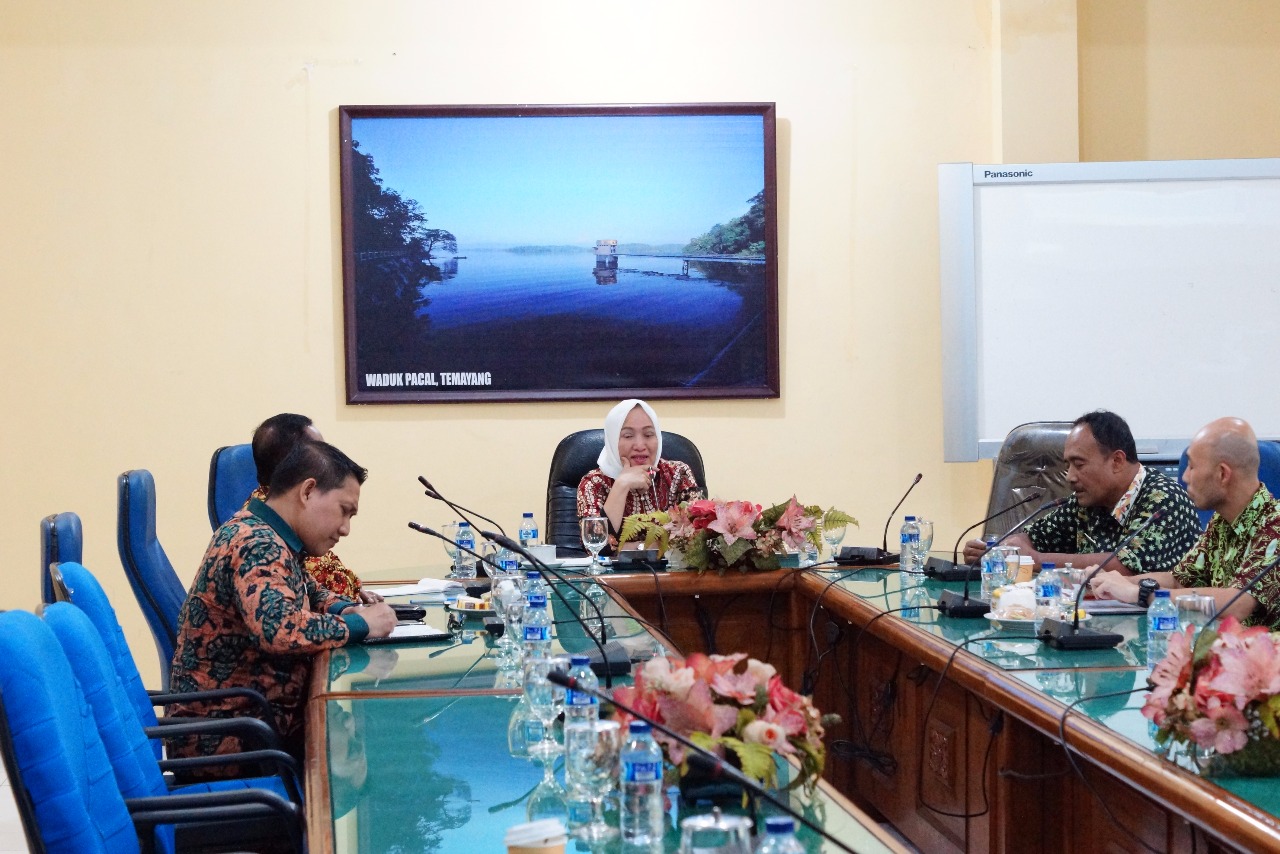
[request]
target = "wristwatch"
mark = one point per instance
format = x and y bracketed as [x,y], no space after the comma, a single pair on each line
[1146,589]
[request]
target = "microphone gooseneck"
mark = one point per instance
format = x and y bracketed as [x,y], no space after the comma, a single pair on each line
[884,541]
[709,761]
[432,492]
[955,550]
[511,545]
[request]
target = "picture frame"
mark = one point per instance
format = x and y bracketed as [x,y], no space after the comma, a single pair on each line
[523,253]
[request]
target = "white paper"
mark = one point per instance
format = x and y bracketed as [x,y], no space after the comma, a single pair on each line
[414,630]
[1110,606]
[438,586]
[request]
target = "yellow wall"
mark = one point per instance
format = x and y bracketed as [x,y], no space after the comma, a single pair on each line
[170,242]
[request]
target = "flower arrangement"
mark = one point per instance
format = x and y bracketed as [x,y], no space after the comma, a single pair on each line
[714,534]
[1223,694]
[743,711]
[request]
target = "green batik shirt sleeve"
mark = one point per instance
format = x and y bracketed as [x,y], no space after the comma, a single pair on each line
[1258,553]
[1056,533]
[1162,546]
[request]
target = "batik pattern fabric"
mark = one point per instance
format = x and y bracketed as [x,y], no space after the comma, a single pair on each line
[1230,554]
[673,482]
[328,569]
[254,617]
[1073,529]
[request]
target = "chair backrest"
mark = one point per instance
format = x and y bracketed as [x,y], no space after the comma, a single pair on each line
[61,775]
[61,538]
[1030,461]
[232,476]
[88,596]
[1268,473]
[573,458]
[155,585]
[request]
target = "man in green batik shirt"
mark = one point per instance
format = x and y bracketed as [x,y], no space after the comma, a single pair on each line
[1113,496]
[1243,536]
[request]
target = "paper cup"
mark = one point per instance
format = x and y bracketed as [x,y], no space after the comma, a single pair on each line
[537,837]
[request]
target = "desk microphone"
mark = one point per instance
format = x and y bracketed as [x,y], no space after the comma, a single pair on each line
[700,757]
[1063,634]
[870,555]
[432,492]
[953,604]
[607,663]
[944,571]
[432,532]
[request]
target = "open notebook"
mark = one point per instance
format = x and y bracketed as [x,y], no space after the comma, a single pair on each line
[410,633]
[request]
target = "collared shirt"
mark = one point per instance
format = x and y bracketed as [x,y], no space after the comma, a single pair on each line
[1229,554]
[253,618]
[1121,511]
[673,482]
[328,568]
[1073,529]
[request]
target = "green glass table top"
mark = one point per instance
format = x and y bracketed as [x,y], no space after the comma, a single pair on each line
[467,661]
[1010,650]
[435,774]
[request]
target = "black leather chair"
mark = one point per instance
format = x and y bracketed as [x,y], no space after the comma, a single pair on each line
[574,457]
[1030,461]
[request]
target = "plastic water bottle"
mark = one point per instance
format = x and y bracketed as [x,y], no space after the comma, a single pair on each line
[581,705]
[910,539]
[992,569]
[641,788]
[537,630]
[528,531]
[466,539]
[1048,589]
[780,836]
[535,588]
[1162,622]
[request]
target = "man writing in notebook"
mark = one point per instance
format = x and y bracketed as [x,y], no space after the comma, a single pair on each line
[1243,536]
[1113,495]
[254,616]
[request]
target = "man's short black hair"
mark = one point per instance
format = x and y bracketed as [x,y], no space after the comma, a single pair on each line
[274,439]
[329,466]
[1111,432]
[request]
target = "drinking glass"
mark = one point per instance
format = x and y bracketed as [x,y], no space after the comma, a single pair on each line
[1196,610]
[1012,563]
[509,597]
[450,530]
[926,542]
[595,536]
[546,700]
[591,770]
[547,800]
[834,535]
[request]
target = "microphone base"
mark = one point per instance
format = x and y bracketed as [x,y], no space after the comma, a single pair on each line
[865,556]
[953,603]
[1063,634]
[616,663]
[944,570]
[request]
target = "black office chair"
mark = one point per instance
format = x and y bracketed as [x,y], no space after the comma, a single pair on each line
[1030,461]
[574,457]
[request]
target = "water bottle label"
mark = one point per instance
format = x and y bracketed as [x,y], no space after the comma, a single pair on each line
[641,772]
[1164,623]
[536,599]
[1047,591]
[537,633]
[510,564]
[581,698]
[579,812]
[533,731]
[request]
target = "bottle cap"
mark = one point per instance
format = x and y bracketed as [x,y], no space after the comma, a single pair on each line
[536,603]
[1047,565]
[1162,594]
[639,728]
[464,524]
[579,660]
[911,518]
[528,515]
[779,824]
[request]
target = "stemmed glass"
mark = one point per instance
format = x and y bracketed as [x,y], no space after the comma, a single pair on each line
[595,536]
[509,590]
[546,701]
[591,767]
[1196,610]
[450,530]
[547,800]
[926,541]
[834,535]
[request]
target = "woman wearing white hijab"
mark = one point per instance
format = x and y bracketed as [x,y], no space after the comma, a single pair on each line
[633,477]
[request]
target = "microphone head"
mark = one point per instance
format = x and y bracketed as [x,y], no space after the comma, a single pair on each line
[564,680]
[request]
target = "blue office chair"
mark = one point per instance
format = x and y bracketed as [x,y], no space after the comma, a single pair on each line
[232,476]
[155,585]
[61,539]
[1268,473]
[63,781]
[87,595]
[128,744]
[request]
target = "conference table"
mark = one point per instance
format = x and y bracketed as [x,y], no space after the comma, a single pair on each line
[407,745]
[952,730]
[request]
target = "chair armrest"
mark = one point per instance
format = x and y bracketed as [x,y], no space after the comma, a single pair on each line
[258,732]
[282,765]
[230,806]
[164,698]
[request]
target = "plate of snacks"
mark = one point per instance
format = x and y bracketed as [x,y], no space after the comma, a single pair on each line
[472,606]
[1013,609]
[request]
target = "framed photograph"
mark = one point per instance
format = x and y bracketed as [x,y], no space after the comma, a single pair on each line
[559,252]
